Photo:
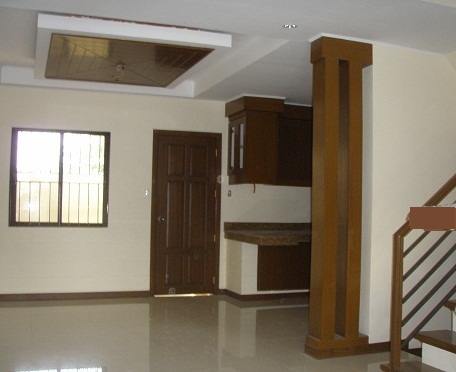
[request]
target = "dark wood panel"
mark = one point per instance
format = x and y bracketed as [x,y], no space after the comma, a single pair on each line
[175,213]
[174,269]
[198,161]
[295,152]
[185,213]
[261,152]
[176,160]
[197,266]
[283,267]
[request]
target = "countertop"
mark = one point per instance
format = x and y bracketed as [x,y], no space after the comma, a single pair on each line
[261,233]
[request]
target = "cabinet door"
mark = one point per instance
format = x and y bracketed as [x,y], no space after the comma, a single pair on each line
[295,153]
[283,267]
[252,144]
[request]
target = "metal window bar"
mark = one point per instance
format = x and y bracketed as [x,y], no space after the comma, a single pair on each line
[429,274]
[428,296]
[416,243]
[431,314]
[425,256]
[60,190]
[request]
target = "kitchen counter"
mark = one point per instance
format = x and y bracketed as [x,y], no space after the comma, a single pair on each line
[268,234]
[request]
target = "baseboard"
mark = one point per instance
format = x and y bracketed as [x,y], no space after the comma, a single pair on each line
[72,296]
[261,296]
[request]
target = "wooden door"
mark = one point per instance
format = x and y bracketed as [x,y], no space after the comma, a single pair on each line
[186,213]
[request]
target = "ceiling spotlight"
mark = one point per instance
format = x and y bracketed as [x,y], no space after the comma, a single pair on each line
[290,25]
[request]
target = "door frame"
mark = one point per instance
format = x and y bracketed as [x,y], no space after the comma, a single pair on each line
[218,140]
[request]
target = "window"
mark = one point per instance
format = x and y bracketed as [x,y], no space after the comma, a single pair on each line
[59,178]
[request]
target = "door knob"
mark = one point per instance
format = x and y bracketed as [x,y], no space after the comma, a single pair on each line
[161,219]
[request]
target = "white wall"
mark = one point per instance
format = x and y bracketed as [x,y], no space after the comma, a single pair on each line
[413,153]
[55,260]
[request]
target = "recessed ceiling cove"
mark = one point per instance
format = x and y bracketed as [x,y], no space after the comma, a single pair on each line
[119,61]
[113,55]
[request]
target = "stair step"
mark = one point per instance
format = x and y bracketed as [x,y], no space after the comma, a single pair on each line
[445,340]
[412,366]
[451,305]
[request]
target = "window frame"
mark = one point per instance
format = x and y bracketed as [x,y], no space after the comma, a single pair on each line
[59,223]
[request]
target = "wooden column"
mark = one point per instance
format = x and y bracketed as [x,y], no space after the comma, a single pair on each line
[336,197]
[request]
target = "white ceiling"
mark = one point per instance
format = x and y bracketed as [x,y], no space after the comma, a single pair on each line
[265,59]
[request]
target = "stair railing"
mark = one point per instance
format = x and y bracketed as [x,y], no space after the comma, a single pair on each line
[398,277]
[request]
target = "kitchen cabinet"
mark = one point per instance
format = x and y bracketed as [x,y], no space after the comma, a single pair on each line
[283,267]
[269,142]
[267,257]
[253,138]
[295,146]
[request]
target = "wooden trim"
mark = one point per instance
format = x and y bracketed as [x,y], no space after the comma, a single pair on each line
[262,297]
[295,112]
[249,103]
[444,339]
[72,296]
[342,49]
[451,304]
[342,347]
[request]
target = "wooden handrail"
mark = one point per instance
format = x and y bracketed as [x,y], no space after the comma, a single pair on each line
[398,276]
[442,192]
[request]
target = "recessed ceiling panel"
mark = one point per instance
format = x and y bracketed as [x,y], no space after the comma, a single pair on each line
[119,61]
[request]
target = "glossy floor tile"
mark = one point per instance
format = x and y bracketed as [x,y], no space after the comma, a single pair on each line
[162,334]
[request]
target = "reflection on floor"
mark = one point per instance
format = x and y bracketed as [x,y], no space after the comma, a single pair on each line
[162,334]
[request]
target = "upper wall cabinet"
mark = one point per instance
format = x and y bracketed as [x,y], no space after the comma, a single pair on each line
[295,146]
[253,139]
[269,142]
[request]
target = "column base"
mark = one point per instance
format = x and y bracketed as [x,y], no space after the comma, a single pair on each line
[339,346]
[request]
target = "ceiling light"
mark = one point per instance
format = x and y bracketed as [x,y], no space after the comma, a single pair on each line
[290,25]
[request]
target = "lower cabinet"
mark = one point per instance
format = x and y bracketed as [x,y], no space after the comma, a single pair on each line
[283,267]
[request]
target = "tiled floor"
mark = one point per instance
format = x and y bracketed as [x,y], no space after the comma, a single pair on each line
[162,334]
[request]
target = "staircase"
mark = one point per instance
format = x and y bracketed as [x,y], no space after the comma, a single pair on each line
[439,347]
[423,283]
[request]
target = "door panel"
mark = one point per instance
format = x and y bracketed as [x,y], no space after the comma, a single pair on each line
[185,213]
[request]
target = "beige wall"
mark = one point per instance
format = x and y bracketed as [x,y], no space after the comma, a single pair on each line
[411,152]
[410,130]
[46,260]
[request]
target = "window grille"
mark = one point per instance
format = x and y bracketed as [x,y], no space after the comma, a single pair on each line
[59,178]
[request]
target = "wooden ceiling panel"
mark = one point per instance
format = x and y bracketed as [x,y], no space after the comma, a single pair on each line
[119,61]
